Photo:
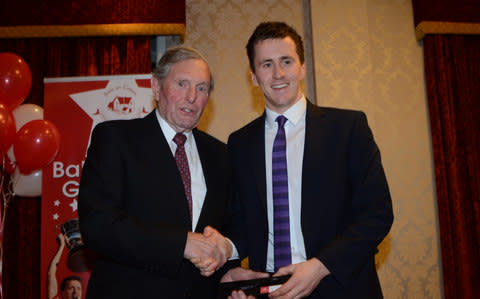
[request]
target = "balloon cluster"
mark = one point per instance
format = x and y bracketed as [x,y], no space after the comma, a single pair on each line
[28,143]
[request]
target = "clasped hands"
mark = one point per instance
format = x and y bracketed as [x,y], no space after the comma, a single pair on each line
[207,251]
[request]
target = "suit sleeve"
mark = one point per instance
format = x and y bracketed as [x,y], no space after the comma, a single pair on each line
[370,212]
[236,229]
[107,227]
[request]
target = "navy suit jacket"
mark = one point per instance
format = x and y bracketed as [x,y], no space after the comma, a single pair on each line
[134,213]
[346,208]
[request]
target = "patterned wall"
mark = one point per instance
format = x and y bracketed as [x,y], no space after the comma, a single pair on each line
[366,58]
[220,30]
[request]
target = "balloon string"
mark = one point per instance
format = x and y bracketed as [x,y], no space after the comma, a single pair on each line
[6,194]
[2,177]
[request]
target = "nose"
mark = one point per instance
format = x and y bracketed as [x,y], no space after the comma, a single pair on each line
[192,94]
[278,72]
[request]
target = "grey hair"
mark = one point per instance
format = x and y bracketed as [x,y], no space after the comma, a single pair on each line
[174,55]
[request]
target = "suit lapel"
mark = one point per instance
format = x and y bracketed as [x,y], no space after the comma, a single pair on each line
[207,163]
[163,165]
[315,159]
[314,136]
[257,155]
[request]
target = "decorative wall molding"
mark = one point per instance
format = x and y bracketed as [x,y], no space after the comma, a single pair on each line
[433,27]
[132,29]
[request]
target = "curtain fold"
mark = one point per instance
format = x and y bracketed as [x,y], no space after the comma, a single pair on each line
[57,57]
[452,70]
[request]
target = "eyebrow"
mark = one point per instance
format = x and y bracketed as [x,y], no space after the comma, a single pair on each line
[286,57]
[189,80]
[281,58]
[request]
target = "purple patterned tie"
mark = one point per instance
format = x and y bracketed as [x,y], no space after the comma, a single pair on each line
[281,225]
[182,164]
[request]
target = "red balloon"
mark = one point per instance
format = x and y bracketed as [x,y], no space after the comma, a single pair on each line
[7,129]
[15,79]
[36,145]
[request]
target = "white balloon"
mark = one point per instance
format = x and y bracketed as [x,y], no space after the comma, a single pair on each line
[22,115]
[25,113]
[27,185]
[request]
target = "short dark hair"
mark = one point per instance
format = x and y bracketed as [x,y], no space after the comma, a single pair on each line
[268,30]
[63,285]
[178,54]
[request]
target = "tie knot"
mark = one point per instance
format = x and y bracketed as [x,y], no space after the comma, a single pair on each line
[180,139]
[281,121]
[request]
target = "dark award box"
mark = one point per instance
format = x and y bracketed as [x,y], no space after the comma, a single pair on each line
[259,287]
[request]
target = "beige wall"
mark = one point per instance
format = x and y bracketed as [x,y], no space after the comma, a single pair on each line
[220,30]
[367,58]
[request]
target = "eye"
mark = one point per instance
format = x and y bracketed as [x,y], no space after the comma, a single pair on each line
[183,83]
[202,88]
[267,65]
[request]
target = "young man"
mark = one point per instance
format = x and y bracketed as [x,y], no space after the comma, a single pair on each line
[153,188]
[71,286]
[310,177]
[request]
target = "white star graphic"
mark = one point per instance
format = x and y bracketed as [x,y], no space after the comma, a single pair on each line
[122,98]
[56,203]
[55,216]
[74,205]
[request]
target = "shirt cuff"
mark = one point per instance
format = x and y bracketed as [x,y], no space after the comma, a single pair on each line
[235,255]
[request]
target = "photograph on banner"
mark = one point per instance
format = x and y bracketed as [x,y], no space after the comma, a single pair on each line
[76,105]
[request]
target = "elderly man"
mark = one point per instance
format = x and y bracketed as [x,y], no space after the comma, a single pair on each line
[154,192]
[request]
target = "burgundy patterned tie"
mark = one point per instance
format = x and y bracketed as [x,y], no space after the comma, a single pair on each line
[281,223]
[182,164]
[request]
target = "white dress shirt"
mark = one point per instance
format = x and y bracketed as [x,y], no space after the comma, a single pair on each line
[198,185]
[295,136]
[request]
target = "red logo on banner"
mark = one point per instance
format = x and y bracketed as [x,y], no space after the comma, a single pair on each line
[75,106]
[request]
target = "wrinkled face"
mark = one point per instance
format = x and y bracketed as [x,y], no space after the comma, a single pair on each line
[278,72]
[73,290]
[183,94]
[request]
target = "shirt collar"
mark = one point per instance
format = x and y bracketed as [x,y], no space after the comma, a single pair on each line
[294,114]
[168,132]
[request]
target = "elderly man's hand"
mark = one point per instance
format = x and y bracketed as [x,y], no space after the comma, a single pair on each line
[241,274]
[208,251]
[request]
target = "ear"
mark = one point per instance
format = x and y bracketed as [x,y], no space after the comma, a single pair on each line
[154,84]
[302,71]
[254,78]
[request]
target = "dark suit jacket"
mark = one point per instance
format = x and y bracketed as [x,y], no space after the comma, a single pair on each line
[134,213]
[346,208]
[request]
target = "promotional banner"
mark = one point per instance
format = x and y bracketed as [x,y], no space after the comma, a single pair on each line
[76,105]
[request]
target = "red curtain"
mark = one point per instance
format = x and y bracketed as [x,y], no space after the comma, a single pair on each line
[77,12]
[452,69]
[57,57]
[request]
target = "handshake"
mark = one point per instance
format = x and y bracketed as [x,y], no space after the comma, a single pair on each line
[208,251]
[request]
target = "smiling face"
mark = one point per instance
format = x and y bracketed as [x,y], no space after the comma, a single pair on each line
[183,94]
[278,72]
